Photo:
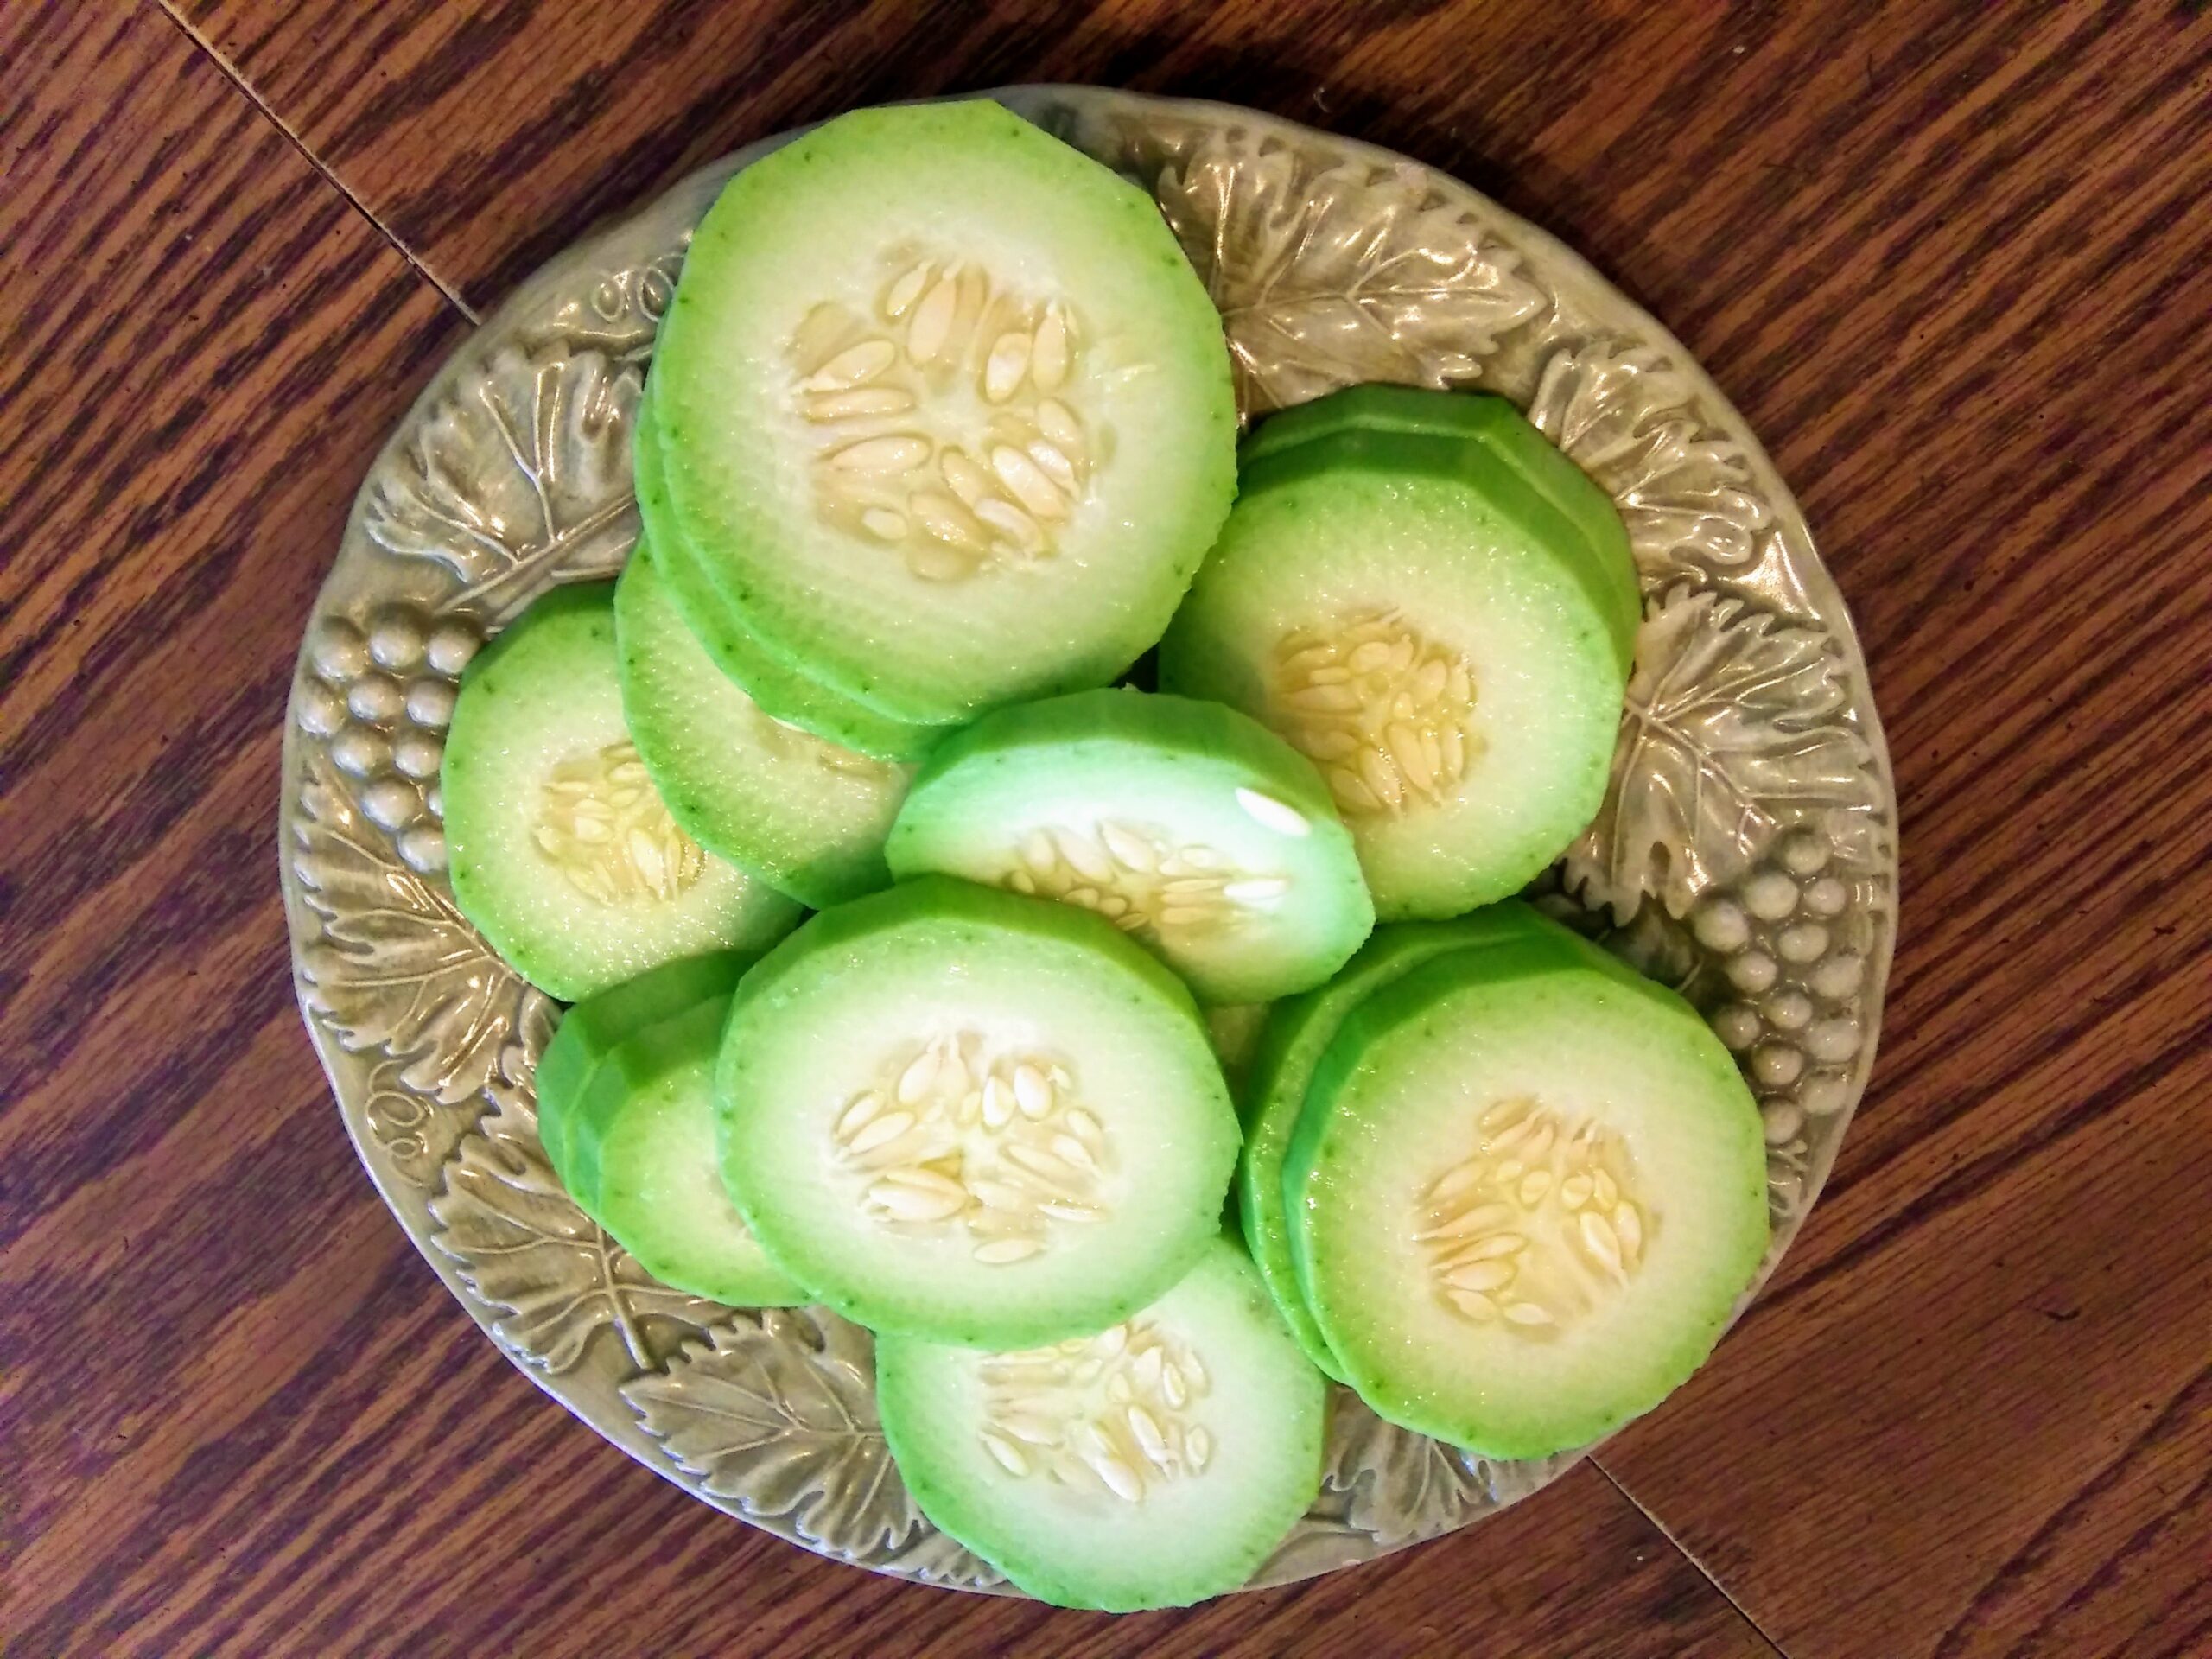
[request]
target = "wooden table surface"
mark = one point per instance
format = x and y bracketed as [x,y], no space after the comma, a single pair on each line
[1952,257]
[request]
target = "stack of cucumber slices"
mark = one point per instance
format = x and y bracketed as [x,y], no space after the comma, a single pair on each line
[938,439]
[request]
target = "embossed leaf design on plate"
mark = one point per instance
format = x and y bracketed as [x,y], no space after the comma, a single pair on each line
[1330,275]
[1403,1486]
[775,1412]
[395,965]
[523,1246]
[1628,420]
[1736,724]
[518,478]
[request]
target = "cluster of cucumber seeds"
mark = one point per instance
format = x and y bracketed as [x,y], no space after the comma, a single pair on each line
[1537,1226]
[1382,710]
[1138,877]
[1099,1413]
[604,827]
[946,427]
[1001,1146]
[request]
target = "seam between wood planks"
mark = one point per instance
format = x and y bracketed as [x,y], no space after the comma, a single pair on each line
[230,73]
[1690,1555]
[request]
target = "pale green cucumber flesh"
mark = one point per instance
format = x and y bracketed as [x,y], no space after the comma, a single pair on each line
[1203,836]
[578,878]
[1174,1533]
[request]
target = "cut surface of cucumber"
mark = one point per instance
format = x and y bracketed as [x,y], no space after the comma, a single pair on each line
[1191,828]
[1525,1192]
[946,408]
[561,852]
[1297,1032]
[782,690]
[804,814]
[1152,1465]
[1446,642]
[593,1029]
[968,1115]
[639,1153]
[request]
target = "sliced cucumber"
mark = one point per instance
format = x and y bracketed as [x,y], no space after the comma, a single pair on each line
[974,1117]
[1440,635]
[1235,1028]
[802,813]
[1289,1047]
[783,691]
[1525,1191]
[1154,1465]
[593,1029]
[945,410]
[1189,827]
[561,850]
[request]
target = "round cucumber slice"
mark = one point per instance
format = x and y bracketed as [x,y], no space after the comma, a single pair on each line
[1525,1192]
[804,814]
[561,852]
[781,690]
[946,408]
[641,1146]
[1152,1465]
[974,1117]
[593,1029]
[1192,828]
[1290,1045]
[1445,643]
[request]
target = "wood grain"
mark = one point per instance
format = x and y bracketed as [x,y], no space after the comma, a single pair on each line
[1952,259]
[236,1414]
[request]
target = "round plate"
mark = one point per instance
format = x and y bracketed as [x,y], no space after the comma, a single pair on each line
[1745,854]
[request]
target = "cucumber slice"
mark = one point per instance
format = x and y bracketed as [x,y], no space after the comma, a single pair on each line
[593,1029]
[561,852]
[1449,645]
[1289,1047]
[1152,1465]
[974,1117]
[640,1143]
[1234,1029]
[946,408]
[1525,1191]
[781,690]
[1194,830]
[804,814]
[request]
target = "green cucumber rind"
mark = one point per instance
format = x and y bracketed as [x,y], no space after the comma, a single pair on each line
[1545,949]
[989,915]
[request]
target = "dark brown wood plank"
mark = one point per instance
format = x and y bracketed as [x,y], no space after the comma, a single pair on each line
[1953,260]
[239,1415]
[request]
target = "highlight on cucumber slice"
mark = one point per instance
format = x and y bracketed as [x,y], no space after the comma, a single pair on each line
[781,690]
[804,814]
[1525,1192]
[972,1115]
[630,1126]
[561,852]
[1152,1465]
[1442,622]
[945,408]
[1187,825]
[1288,1049]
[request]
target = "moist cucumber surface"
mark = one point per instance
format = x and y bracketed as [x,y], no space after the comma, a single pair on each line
[1187,825]
[1152,1465]
[1447,643]
[1298,1032]
[972,1115]
[560,851]
[1524,1193]
[781,689]
[643,1161]
[804,814]
[593,1029]
[945,408]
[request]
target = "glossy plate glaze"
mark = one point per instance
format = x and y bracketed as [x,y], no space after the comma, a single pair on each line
[1745,854]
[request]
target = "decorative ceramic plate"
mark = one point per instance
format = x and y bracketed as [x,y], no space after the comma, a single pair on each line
[1746,853]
